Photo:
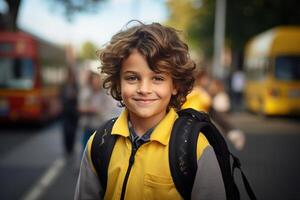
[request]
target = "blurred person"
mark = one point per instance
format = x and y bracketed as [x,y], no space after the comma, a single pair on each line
[151,80]
[219,109]
[95,106]
[199,99]
[237,87]
[69,98]
[209,96]
[220,98]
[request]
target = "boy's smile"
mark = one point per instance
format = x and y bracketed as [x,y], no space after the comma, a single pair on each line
[144,102]
[145,93]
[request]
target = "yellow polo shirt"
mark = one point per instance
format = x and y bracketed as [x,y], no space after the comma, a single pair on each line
[150,176]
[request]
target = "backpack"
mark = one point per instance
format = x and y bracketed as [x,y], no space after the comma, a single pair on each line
[182,153]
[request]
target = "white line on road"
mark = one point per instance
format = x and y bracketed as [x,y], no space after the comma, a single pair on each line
[44,182]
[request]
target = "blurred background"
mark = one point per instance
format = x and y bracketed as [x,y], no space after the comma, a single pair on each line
[50,86]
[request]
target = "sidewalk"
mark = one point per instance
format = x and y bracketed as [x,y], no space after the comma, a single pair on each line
[252,123]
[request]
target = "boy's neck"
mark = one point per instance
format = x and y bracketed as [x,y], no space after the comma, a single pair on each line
[141,125]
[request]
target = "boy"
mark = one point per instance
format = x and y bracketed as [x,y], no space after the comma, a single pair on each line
[149,71]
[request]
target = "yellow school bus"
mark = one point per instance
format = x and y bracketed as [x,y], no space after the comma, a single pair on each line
[272,64]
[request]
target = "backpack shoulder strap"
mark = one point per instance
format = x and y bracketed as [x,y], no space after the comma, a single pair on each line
[183,152]
[101,150]
[217,141]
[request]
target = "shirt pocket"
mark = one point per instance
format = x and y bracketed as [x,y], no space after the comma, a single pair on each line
[159,187]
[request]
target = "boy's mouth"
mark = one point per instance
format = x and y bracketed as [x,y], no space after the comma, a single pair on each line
[144,101]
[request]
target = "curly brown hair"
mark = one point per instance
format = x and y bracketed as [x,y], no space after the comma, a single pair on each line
[163,50]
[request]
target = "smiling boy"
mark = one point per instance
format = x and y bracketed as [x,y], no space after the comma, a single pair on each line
[145,93]
[148,70]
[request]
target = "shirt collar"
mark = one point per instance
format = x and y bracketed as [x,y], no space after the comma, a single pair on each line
[161,132]
[121,125]
[133,135]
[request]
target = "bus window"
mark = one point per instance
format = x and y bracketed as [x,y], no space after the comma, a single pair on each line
[6,47]
[287,68]
[16,73]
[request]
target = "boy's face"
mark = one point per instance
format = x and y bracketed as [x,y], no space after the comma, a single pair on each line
[145,93]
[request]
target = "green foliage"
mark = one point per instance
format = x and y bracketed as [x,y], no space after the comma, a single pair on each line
[70,8]
[244,19]
[248,18]
[88,51]
[181,13]
[201,28]
[195,18]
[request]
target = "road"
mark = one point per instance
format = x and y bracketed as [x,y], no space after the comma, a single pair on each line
[270,157]
[33,166]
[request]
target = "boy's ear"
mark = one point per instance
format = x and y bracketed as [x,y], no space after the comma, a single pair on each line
[174,91]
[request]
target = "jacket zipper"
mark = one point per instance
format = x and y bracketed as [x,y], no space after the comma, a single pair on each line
[131,161]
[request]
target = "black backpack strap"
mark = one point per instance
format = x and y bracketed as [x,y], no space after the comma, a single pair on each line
[237,164]
[101,150]
[183,155]
[217,141]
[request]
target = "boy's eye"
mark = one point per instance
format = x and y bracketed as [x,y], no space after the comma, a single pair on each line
[131,78]
[158,78]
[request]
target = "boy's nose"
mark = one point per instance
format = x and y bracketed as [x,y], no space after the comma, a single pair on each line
[144,87]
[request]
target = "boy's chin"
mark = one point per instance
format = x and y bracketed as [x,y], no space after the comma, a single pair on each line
[145,113]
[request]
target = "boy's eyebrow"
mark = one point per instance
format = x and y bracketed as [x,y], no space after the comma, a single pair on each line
[130,72]
[134,72]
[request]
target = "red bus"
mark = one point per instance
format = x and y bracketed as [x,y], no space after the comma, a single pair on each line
[31,71]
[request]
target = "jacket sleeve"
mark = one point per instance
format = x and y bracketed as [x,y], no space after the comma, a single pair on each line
[88,186]
[208,181]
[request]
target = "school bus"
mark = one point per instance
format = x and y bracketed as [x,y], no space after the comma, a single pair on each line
[272,64]
[31,71]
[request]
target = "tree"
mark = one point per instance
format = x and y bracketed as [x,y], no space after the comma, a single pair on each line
[88,51]
[8,21]
[247,18]
[72,7]
[181,12]
[193,18]
[201,28]
[244,19]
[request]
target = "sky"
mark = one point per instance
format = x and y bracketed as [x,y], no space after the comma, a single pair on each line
[38,17]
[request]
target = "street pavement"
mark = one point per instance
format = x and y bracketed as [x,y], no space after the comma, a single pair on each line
[37,167]
[270,156]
